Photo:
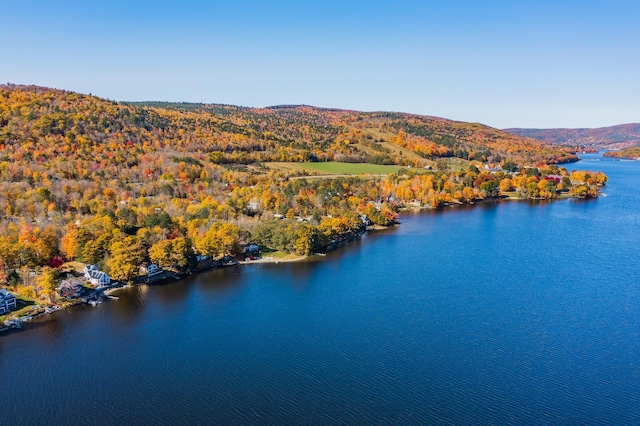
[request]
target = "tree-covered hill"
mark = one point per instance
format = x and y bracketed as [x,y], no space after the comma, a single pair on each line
[117,184]
[318,130]
[613,137]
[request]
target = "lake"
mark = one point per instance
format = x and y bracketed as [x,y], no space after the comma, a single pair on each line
[501,313]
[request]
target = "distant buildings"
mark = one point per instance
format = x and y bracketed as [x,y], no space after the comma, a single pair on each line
[555,178]
[493,169]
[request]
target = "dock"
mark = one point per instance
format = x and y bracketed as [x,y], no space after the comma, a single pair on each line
[15,324]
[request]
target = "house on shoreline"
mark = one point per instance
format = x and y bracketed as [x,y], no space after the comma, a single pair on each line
[71,288]
[96,277]
[151,273]
[150,269]
[7,301]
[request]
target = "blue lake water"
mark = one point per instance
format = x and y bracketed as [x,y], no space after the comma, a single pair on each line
[505,313]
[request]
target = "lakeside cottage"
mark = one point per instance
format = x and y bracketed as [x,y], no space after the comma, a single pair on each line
[96,276]
[71,288]
[150,273]
[7,301]
[150,269]
[204,262]
[251,249]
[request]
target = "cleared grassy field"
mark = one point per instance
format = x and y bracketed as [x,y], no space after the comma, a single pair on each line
[335,168]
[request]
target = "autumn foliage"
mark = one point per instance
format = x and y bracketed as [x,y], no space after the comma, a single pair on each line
[117,184]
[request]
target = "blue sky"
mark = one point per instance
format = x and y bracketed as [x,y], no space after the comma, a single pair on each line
[502,63]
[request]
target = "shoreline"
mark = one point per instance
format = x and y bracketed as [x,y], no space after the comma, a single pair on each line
[414,207]
[44,311]
[271,259]
[290,258]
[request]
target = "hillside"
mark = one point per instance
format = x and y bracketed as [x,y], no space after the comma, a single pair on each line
[58,122]
[118,184]
[614,137]
[378,137]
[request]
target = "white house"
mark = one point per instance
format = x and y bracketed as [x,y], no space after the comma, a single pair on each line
[99,279]
[7,301]
[150,269]
[88,269]
[96,276]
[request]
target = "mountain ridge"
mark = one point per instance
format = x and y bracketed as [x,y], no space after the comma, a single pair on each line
[610,137]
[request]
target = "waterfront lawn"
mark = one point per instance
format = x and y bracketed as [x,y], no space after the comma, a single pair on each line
[23,308]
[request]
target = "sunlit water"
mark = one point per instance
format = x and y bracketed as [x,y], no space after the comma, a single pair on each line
[523,313]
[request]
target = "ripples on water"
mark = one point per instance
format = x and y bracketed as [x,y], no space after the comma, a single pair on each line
[522,313]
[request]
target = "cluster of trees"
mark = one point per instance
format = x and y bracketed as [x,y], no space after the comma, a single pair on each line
[95,181]
[442,188]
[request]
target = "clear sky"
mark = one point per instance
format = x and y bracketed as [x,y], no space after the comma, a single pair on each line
[503,63]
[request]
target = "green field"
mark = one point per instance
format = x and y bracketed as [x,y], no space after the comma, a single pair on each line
[335,168]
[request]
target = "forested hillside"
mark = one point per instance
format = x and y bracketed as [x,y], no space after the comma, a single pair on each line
[360,136]
[118,184]
[613,137]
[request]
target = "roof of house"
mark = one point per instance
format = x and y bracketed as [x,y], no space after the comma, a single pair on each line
[5,292]
[97,274]
[70,283]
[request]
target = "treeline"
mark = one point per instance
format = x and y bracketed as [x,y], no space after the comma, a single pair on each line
[444,188]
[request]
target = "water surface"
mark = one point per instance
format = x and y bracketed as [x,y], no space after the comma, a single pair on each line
[501,313]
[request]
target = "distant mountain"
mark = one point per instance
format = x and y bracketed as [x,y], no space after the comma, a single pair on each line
[614,137]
